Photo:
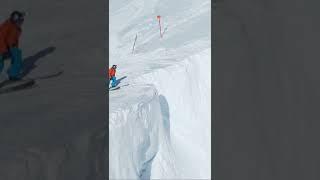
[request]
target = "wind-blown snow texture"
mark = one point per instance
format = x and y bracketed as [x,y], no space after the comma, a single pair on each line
[159,121]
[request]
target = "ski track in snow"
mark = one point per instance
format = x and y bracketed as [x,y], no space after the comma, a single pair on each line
[159,120]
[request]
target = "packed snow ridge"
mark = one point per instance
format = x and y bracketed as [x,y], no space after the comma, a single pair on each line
[160,119]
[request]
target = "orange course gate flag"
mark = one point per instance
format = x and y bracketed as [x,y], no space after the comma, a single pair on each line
[158,17]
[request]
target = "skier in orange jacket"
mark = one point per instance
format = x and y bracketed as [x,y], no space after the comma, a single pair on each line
[10,32]
[112,76]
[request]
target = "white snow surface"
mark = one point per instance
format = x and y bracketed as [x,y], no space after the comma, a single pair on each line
[160,119]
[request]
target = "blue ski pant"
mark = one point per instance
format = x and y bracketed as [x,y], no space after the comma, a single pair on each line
[113,81]
[16,62]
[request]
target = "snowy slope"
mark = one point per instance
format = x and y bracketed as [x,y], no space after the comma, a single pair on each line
[160,117]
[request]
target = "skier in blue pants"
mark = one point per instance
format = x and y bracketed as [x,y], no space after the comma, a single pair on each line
[112,76]
[10,32]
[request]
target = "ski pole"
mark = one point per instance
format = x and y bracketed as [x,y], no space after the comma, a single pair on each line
[134,42]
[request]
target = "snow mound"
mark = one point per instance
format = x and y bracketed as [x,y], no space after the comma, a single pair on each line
[163,130]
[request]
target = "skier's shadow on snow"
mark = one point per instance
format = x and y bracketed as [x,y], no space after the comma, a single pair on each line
[120,79]
[165,111]
[29,63]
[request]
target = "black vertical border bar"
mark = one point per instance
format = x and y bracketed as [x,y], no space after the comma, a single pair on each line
[213,45]
[107,97]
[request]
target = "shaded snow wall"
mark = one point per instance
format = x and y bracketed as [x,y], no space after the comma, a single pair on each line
[133,136]
[185,91]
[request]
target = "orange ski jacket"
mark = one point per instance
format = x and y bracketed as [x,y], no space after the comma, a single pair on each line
[9,36]
[112,72]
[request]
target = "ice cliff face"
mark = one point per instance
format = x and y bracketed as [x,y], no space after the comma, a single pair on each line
[134,133]
[162,129]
